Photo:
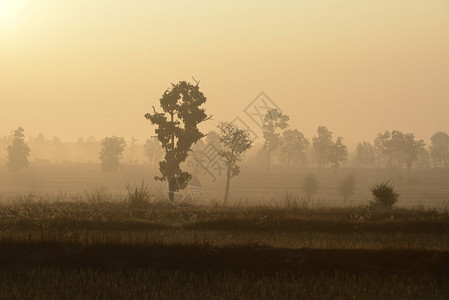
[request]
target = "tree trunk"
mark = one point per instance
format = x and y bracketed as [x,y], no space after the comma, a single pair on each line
[171,189]
[172,181]
[228,181]
[268,157]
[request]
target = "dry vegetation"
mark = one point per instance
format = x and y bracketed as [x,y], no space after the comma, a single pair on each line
[103,245]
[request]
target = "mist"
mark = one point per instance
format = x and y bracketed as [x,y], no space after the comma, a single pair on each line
[226,149]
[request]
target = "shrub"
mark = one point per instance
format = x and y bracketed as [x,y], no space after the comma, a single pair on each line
[309,185]
[346,187]
[137,196]
[384,195]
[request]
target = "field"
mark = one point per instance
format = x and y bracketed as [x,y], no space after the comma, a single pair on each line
[72,232]
[255,186]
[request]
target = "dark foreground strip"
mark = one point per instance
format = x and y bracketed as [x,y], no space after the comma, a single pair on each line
[206,258]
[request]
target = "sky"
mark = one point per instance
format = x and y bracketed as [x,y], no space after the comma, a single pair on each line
[79,68]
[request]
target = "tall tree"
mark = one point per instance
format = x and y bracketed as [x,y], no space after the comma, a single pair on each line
[111,153]
[321,144]
[338,152]
[177,129]
[294,146]
[234,142]
[18,151]
[439,149]
[273,120]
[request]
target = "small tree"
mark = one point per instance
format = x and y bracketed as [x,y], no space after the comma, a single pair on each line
[177,131]
[309,185]
[346,187]
[18,151]
[111,153]
[384,195]
[321,145]
[272,121]
[234,142]
[338,152]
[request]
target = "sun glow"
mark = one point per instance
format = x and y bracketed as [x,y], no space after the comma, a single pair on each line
[9,11]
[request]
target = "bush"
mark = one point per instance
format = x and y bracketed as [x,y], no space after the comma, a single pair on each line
[309,185]
[384,195]
[346,187]
[137,196]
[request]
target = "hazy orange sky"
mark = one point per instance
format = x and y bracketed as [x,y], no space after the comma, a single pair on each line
[77,68]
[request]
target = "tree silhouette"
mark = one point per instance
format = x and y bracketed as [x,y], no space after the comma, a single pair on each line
[338,152]
[111,153]
[364,154]
[439,149]
[272,121]
[153,151]
[294,146]
[309,186]
[321,145]
[411,149]
[234,142]
[177,131]
[132,148]
[18,151]
[382,148]
[346,187]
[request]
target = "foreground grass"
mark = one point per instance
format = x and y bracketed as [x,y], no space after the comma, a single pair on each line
[65,270]
[115,250]
[57,283]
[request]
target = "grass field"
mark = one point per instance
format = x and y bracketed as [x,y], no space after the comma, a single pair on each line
[95,246]
[70,232]
[427,188]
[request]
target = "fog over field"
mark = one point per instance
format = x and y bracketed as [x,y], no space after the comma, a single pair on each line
[290,149]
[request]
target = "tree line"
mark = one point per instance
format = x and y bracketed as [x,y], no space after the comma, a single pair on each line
[282,145]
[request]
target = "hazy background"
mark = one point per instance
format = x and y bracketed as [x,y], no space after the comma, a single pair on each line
[79,68]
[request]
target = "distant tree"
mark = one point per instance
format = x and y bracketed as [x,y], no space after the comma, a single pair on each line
[111,153]
[338,152]
[365,154]
[399,148]
[346,187]
[18,151]
[294,146]
[309,185]
[132,148]
[273,121]
[213,137]
[321,145]
[153,151]
[411,149]
[382,148]
[59,152]
[234,142]
[178,130]
[424,160]
[439,149]
[196,160]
